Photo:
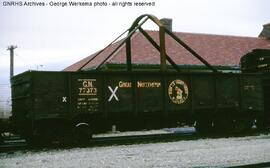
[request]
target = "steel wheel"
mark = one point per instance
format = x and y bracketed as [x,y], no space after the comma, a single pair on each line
[83,133]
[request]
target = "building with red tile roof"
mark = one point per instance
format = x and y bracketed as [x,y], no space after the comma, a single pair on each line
[218,50]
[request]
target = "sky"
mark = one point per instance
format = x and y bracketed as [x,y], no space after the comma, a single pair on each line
[54,37]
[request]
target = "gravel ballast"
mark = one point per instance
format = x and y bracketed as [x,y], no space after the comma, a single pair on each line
[221,152]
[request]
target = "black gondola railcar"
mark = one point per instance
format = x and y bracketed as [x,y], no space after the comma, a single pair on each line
[49,104]
[74,105]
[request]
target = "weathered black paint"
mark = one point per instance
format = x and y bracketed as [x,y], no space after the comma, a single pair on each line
[258,61]
[131,99]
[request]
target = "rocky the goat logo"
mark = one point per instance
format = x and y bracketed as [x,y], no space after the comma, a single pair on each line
[178,91]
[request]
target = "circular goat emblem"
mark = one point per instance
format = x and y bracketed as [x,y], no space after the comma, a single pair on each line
[178,91]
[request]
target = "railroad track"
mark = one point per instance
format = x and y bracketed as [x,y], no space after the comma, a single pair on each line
[20,144]
[15,143]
